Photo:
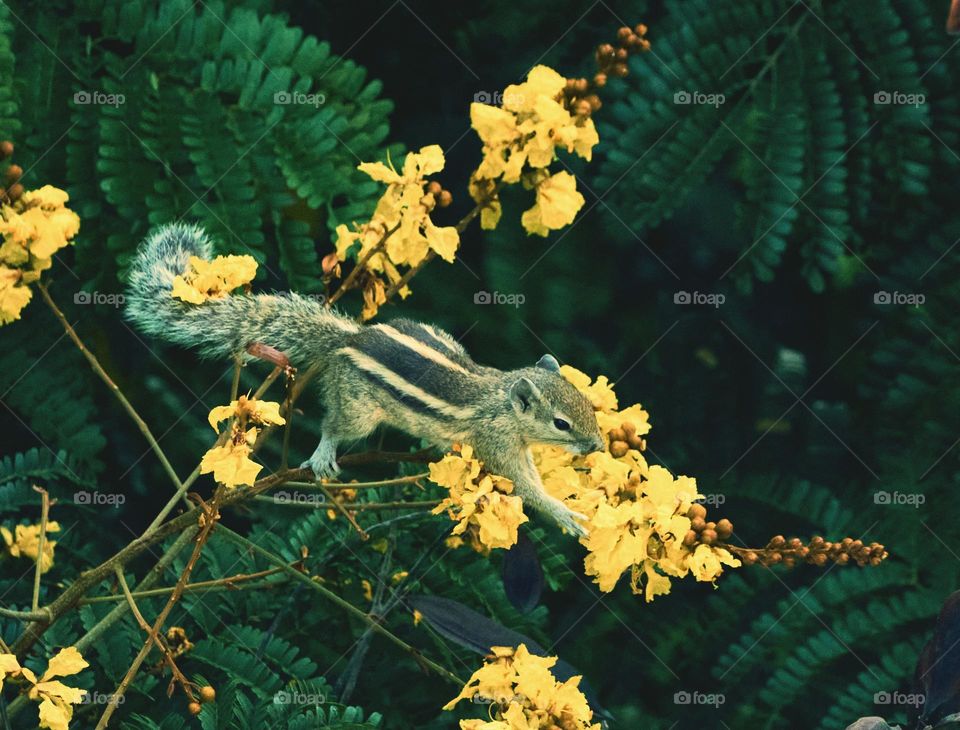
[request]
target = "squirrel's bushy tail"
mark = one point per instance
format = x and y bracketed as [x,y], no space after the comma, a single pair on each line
[302,327]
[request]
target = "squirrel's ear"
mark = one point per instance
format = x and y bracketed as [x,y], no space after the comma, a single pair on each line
[549,362]
[522,393]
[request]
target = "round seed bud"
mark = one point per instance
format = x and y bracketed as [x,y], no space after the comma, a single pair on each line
[698,524]
[618,449]
[624,33]
[724,528]
[843,559]
[6,148]
[711,526]
[641,29]
[697,510]
[816,541]
[690,538]
[618,434]
[749,558]
[629,428]
[208,694]
[789,561]
[621,54]
[582,86]
[776,541]
[775,558]
[820,559]
[15,191]
[847,542]
[708,537]
[434,188]
[636,442]
[600,80]
[14,173]
[582,108]
[876,561]
[446,197]
[619,69]
[795,543]
[194,708]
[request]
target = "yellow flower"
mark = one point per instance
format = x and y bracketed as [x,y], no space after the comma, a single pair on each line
[231,464]
[557,204]
[13,295]
[215,279]
[56,699]
[33,229]
[523,683]
[481,505]
[247,409]
[520,140]
[707,562]
[400,232]
[600,393]
[25,543]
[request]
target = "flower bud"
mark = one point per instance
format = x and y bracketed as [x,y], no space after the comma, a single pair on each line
[724,528]
[6,149]
[618,449]
[697,511]
[446,197]
[708,537]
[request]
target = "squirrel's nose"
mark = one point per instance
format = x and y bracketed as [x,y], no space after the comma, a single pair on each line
[597,445]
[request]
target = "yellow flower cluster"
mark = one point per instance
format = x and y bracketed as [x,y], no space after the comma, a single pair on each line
[637,514]
[231,463]
[526,694]
[481,504]
[56,699]
[213,279]
[520,140]
[34,228]
[24,542]
[400,233]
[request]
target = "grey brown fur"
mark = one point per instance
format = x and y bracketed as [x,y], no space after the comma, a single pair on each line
[404,374]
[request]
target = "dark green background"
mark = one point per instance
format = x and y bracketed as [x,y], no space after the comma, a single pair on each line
[798,399]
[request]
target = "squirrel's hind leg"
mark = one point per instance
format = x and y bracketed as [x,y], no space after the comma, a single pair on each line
[343,424]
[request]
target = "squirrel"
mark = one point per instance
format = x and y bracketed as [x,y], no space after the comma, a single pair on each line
[411,376]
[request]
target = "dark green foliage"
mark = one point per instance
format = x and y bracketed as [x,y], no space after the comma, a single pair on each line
[799,198]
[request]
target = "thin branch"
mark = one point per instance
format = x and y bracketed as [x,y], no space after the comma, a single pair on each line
[41,543]
[98,369]
[361,266]
[229,583]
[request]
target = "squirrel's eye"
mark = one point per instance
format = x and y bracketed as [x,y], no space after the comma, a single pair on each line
[561,425]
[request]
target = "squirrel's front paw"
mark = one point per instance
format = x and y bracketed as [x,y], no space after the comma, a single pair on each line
[568,521]
[322,468]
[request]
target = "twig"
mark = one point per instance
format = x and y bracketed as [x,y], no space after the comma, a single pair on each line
[41,543]
[370,621]
[228,583]
[352,507]
[160,643]
[98,369]
[431,254]
[210,515]
[361,266]
[412,479]
[342,510]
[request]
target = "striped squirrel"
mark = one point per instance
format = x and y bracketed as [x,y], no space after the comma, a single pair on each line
[411,376]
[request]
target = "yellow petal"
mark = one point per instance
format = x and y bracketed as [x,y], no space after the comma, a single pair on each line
[67,661]
[230,465]
[55,716]
[557,205]
[442,240]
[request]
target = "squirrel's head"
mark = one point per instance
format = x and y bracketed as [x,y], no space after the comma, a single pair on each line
[552,410]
